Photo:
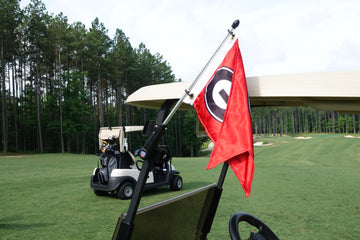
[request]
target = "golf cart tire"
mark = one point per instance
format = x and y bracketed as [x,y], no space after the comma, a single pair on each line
[176,183]
[126,190]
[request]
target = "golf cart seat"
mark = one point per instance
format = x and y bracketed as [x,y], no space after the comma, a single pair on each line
[179,217]
[126,159]
[186,217]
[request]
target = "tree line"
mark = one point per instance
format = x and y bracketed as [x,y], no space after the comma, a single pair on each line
[293,120]
[60,82]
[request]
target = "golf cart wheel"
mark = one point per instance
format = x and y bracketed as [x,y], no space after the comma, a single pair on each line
[126,190]
[176,183]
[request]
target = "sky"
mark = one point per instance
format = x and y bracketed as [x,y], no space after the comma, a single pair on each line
[275,37]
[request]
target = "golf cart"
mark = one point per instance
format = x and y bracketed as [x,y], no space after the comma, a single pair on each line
[118,169]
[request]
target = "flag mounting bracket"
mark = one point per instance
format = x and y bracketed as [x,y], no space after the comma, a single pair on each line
[191,95]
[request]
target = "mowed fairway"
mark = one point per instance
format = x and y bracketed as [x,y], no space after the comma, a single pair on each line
[302,189]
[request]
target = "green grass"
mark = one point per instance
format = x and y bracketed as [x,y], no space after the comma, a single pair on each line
[302,189]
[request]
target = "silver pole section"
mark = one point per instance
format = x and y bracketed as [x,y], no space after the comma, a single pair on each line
[187,91]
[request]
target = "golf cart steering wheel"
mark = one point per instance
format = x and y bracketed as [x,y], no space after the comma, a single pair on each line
[136,154]
[137,164]
[264,232]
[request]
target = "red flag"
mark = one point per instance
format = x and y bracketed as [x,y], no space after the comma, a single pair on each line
[223,109]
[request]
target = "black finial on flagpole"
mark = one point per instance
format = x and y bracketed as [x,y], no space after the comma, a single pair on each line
[235,24]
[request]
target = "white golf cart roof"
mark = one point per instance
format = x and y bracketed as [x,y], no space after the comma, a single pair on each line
[333,91]
[117,132]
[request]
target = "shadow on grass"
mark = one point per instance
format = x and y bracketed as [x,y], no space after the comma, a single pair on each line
[156,191]
[20,226]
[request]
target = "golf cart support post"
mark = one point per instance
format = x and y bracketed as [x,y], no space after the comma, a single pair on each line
[127,224]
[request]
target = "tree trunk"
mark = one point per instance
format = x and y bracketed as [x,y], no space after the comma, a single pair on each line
[107,111]
[346,124]
[286,122]
[354,123]
[15,97]
[293,122]
[300,126]
[333,121]
[38,108]
[83,148]
[83,117]
[60,105]
[326,123]
[273,123]
[118,106]
[100,102]
[281,125]
[259,127]
[68,143]
[3,99]
[256,128]
[264,125]
[77,143]
[313,122]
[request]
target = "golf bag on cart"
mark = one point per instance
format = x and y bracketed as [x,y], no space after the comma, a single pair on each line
[108,160]
[111,158]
